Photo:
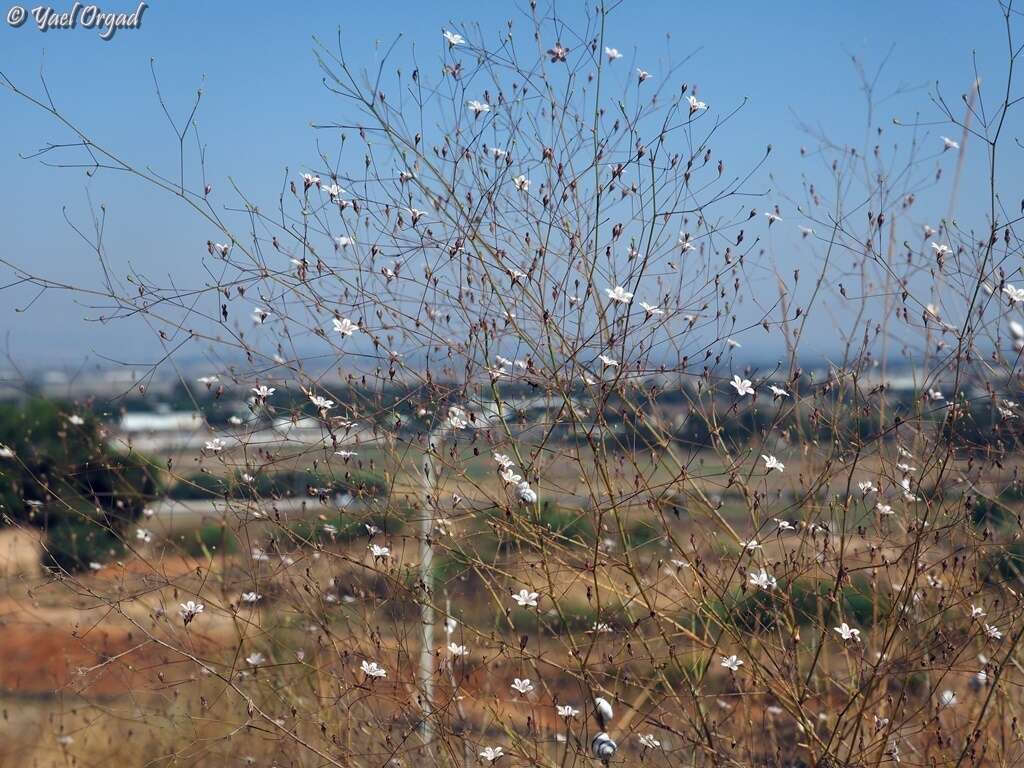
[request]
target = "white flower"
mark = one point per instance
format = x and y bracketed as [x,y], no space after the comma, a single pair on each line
[372,669]
[260,315]
[251,597]
[866,487]
[208,380]
[805,231]
[453,38]
[522,183]
[847,632]
[524,686]
[191,609]
[651,310]
[490,754]
[344,326]
[333,190]
[976,612]
[935,394]
[450,625]
[1013,293]
[684,242]
[948,143]
[143,535]
[478,107]
[612,53]
[750,546]
[6,452]
[993,633]
[770,463]
[696,106]
[619,294]
[883,509]
[457,418]
[609,362]
[642,74]
[309,180]
[76,420]
[733,343]
[941,249]
[778,391]
[216,445]
[772,217]
[262,392]
[378,551]
[648,741]
[566,711]
[502,460]
[526,598]
[764,580]
[742,386]
[732,662]
[255,659]
[343,241]
[457,650]
[947,698]
[94,566]
[784,525]
[322,403]
[346,454]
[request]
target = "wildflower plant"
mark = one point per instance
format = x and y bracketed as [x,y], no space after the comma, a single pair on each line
[506,311]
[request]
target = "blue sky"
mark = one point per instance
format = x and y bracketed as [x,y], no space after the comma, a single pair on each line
[262,90]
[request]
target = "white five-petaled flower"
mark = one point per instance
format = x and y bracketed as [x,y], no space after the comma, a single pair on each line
[457,650]
[805,231]
[603,710]
[941,249]
[648,741]
[262,392]
[453,38]
[189,610]
[255,659]
[372,669]
[948,143]
[378,551]
[742,386]
[143,535]
[522,685]
[994,633]
[566,711]
[344,326]
[764,580]
[490,754]
[696,106]
[866,487]
[1014,294]
[847,632]
[216,445]
[343,241]
[526,598]
[651,310]
[733,662]
[883,509]
[770,463]
[478,107]
[612,53]
[322,403]
[619,294]
[642,74]
[778,391]
[976,612]
[522,183]
[251,597]
[609,362]
[750,546]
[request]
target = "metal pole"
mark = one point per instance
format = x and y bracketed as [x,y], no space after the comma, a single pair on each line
[426,672]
